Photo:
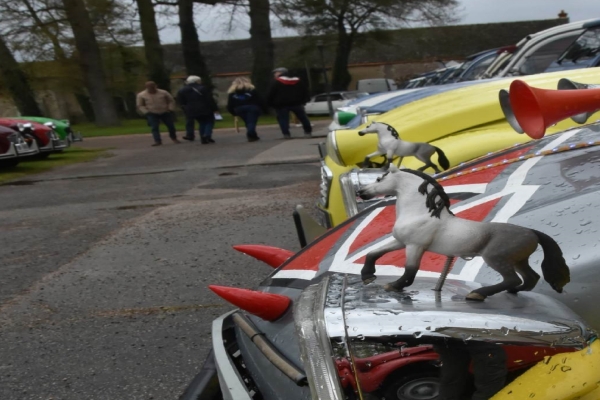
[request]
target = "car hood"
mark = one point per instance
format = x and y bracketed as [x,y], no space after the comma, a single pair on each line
[453,113]
[558,194]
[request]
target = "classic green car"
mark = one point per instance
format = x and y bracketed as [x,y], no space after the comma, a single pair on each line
[61,126]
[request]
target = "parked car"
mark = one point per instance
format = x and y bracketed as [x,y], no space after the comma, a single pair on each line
[62,127]
[46,139]
[473,66]
[318,104]
[313,329]
[466,122]
[583,53]
[14,147]
[535,52]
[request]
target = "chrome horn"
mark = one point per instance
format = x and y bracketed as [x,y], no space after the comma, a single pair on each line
[567,84]
[504,98]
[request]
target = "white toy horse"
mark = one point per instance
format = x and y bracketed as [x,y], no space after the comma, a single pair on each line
[424,222]
[390,144]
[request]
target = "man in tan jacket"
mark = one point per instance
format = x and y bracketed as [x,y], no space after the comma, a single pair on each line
[157,105]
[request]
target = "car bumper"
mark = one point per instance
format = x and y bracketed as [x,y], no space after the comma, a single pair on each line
[20,150]
[231,382]
[55,145]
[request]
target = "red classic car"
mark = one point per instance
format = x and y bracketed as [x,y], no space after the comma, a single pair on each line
[13,147]
[46,139]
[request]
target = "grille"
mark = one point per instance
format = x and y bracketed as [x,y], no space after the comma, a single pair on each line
[326,178]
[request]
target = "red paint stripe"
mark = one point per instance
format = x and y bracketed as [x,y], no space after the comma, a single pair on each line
[312,256]
[486,175]
[381,225]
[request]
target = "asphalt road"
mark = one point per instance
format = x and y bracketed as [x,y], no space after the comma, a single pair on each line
[104,266]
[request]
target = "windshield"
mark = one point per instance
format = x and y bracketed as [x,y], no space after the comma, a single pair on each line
[473,71]
[543,56]
[584,48]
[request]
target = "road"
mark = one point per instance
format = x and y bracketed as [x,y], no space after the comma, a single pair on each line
[104,266]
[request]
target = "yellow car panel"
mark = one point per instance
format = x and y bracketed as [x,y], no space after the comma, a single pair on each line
[566,376]
[465,123]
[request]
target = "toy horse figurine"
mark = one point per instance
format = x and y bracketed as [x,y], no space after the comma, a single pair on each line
[390,144]
[424,222]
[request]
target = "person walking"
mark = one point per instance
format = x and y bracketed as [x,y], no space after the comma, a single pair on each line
[245,102]
[198,105]
[157,105]
[286,95]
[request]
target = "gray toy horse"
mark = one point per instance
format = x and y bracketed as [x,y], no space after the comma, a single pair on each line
[424,222]
[390,144]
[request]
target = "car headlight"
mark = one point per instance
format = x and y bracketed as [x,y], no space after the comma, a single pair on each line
[315,346]
[332,149]
[24,127]
[50,125]
[352,182]
[326,178]
[67,122]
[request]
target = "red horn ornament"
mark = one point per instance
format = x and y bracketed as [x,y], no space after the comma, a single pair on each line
[536,109]
[273,256]
[268,306]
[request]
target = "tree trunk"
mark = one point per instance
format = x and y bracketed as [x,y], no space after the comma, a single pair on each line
[90,62]
[341,78]
[152,47]
[190,44]
[16,82]
[262,44]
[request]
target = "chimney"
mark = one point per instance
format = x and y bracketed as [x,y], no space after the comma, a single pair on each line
[563,14]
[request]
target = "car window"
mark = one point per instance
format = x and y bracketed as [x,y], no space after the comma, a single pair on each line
[336,97]
[477,69]
[321,97]
[541,59]
[584,48]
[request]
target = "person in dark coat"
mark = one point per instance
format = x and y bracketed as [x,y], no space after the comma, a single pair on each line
[198,105]
[245,102]
[287,95]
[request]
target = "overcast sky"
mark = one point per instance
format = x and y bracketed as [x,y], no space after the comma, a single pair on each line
[213,22]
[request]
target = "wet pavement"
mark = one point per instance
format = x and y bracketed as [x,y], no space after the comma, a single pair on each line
[105,265]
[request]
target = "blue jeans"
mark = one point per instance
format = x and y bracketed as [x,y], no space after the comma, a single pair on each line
[206,124]
[249,114]
[154,122]
[283,117]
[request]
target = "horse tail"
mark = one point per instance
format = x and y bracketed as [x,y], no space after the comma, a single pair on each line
[442,160]
[554,267]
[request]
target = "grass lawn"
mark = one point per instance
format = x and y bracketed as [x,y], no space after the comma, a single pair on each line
[137,126]
[68,156]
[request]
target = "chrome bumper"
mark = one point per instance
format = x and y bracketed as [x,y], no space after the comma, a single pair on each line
[20,149]
[55,145]
[74,137]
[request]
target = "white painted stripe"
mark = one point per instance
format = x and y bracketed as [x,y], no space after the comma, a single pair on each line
[471,188]
[295,274]
[520,195]
[344,250]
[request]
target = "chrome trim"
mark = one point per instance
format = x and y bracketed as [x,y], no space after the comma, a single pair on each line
[27,150]
[325,185]
[351,182]
[332,142]
[315,346]
[232,384]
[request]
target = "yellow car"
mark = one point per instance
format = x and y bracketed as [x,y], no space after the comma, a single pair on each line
[465,123]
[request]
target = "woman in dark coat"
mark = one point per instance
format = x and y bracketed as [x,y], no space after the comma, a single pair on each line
[245,102]
[198,105]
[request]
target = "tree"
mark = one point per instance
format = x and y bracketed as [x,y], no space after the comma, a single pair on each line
[347,18]
[90,62]
[261,43]
[190,43]
[16,82]
[152,47]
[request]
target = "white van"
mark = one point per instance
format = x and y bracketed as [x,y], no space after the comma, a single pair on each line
[376,85]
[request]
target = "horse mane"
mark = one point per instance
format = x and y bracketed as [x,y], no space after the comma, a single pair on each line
[434,206]
[390,128]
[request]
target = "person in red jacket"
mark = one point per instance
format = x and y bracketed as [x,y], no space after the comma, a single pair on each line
[286,95]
